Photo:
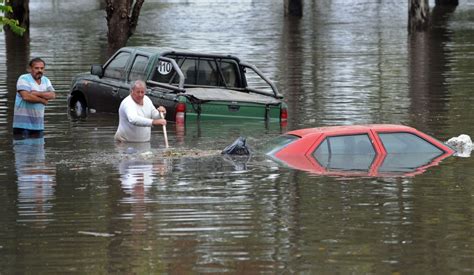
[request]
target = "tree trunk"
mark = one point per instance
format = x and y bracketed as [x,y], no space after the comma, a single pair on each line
[122,20]
[293,7]
[17,50]
[21,12]
[418,15]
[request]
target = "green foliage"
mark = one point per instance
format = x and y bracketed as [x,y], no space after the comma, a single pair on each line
[5,8]
[11,23]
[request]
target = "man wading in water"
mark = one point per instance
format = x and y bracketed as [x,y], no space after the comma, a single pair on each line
[137,115]
[34,90]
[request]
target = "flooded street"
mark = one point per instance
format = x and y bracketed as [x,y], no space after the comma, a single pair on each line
[75,201]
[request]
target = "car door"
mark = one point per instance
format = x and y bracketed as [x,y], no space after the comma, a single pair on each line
[105,95]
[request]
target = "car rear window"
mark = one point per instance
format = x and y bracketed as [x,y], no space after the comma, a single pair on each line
[201,71]
[230,70]
[396,143]
[279,143]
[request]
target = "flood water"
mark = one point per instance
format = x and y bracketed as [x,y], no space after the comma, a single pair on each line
[77,202]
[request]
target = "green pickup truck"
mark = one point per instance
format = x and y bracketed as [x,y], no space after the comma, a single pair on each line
[189,85]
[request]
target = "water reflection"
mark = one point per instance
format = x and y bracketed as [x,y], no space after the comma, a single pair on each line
[141,174]
[429,63]
[239,163]
[137,176]
[36,181]
[342,165]
[340,64]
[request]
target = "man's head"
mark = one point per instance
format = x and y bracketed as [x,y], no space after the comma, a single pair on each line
[138,91]
[37,67]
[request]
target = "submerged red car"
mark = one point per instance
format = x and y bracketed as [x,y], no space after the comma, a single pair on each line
[359,150]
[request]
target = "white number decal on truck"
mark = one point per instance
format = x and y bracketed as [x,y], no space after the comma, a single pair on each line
[164,68]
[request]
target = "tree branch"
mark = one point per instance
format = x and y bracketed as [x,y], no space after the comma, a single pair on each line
[109,9]
[134,17]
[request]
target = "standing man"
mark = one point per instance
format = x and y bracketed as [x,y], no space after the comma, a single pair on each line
[34,90]
[137,115]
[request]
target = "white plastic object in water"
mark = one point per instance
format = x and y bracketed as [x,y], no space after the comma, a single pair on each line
[462,144]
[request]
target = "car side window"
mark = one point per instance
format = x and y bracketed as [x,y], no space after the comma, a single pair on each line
[351,152]
[138,68]
[116,67]
[349,145]
[396,143]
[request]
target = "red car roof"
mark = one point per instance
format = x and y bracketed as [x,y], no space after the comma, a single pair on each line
[299,153]
[350,129]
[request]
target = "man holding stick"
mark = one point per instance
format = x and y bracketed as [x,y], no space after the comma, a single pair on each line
[137,115]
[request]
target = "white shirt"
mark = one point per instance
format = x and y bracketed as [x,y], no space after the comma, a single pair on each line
[135,120]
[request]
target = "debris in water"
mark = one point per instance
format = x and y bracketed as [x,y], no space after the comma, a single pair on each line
[176,153]
[147,154]
[238,147]
[462,144]
[96,234]
[131,150]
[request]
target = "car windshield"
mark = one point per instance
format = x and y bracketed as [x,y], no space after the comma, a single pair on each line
[278,143]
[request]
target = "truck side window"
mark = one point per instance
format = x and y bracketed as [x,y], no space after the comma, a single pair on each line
[230,73]
[138,68]
[116,67]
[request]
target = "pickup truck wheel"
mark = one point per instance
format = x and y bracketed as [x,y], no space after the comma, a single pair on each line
[78,107]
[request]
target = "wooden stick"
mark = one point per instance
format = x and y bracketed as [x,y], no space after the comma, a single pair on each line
[164,131]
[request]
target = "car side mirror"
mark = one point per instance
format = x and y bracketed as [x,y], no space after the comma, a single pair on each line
[97,70]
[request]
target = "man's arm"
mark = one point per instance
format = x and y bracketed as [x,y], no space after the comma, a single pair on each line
[46,95]
[31,97]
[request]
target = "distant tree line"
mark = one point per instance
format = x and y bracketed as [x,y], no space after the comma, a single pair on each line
[122,16]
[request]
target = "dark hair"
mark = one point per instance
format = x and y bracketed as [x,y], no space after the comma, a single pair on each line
[36,59]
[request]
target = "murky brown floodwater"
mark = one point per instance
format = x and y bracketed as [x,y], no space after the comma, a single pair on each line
[79,203]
